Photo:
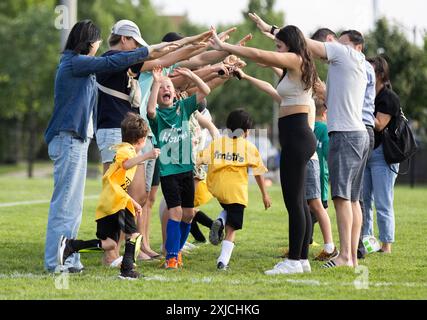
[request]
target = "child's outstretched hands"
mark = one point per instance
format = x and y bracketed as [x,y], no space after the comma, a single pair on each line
[267,201]
[157,73]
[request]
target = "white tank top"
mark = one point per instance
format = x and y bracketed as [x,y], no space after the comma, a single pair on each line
[293,93]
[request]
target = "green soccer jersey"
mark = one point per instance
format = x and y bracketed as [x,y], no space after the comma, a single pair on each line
[172,132]
[321,133]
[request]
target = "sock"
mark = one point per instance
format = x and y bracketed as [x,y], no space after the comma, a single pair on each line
[129,256]
[94,244]
[226,250]
[173,236]
[196,233]
[223,217]
[185,231]
[203,219]
[329,247]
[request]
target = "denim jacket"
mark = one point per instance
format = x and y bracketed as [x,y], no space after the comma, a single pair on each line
[76,92]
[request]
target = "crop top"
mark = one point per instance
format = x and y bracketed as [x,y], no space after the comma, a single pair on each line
[293,93]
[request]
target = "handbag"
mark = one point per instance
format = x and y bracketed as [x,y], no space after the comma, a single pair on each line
[398,140]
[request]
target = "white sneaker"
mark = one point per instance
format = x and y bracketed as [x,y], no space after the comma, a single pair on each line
[285,267]
[189,246]
[116,263]
[306,268]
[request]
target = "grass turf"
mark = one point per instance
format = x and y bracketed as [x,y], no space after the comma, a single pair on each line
[401,275]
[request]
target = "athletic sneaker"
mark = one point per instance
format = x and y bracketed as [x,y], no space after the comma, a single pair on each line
[129,275]
[222,267]
[216,233]
[171,263]
[306,268]
[64,250]
[324,256]
[285,267]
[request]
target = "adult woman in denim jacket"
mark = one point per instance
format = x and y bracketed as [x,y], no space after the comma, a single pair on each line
[71,128]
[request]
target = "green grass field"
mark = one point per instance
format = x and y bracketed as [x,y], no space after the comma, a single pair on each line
[401,275]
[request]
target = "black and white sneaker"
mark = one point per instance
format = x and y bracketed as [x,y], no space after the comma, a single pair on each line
[216,233]
[129,275]
[64,250]
[221,266]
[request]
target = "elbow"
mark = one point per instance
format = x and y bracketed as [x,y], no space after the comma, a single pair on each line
[151,114]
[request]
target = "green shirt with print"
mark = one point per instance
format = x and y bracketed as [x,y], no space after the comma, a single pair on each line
[171,130]
[321,133]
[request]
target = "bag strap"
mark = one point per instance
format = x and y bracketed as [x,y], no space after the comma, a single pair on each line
[401,173]
[113,92]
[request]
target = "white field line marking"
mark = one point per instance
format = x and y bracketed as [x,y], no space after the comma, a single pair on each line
[23,203]
[267,280]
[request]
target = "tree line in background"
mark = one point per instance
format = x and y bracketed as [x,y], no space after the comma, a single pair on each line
[31,51]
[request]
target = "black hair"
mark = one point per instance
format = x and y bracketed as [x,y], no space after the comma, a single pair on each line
[238,121]
[83,34]
[382,69]
[295,41]
[114,39]
[133,128]
[355,37]
[322,33]
[171,36]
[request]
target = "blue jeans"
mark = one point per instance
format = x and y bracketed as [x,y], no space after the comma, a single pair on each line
[378,187]
[69,156]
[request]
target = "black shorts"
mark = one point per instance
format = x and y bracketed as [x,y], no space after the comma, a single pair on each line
[178,190]
[234,215]
[110,226]
[156,174]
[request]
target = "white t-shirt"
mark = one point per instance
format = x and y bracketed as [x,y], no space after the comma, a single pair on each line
[346,85]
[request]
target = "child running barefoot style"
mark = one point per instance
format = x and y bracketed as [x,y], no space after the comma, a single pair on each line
[116,209]
[228,158]
[169,123]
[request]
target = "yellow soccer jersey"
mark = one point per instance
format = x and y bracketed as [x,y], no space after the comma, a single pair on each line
[228,162]
[115,183]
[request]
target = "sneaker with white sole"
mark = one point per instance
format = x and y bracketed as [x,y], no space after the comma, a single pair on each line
[216,233]
[117,263]
[64,250]
[306,268]
[285,267]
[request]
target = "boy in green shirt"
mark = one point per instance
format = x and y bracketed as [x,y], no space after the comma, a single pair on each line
[169,123]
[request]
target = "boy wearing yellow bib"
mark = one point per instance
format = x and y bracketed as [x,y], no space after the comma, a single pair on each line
[229,158]
[116,210]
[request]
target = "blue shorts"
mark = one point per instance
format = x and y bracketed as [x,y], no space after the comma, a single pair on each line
[105,139]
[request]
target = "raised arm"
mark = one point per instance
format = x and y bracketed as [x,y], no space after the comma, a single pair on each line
[203,91]
[262,85]
[275,59]
[139,159]
[317,48]
[205,123]
[152,100]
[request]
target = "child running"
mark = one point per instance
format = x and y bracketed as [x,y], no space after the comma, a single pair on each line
[116,209]
[169,123]
[228,158]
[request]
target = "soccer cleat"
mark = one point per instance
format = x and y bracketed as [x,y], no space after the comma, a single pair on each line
[171,263]
[129,275]
[285,267]
[64,250]
[216,234]
[221,266]
[324,256]
[180,263]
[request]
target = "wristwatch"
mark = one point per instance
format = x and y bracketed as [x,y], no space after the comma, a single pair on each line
[273,28]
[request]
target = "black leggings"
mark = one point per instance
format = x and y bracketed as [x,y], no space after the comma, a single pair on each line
[298,145]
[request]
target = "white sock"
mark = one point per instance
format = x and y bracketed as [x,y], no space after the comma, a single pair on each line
[329,247]
[226,250]
[223,217]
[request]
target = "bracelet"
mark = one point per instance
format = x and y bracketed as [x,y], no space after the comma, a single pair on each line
[273,28]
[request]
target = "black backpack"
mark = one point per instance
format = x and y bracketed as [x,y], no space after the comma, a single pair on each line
[398,140]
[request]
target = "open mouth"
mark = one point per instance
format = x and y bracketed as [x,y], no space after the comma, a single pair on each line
[166,96]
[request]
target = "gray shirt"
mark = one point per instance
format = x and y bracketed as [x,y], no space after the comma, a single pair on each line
[369,102]
[346,86]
